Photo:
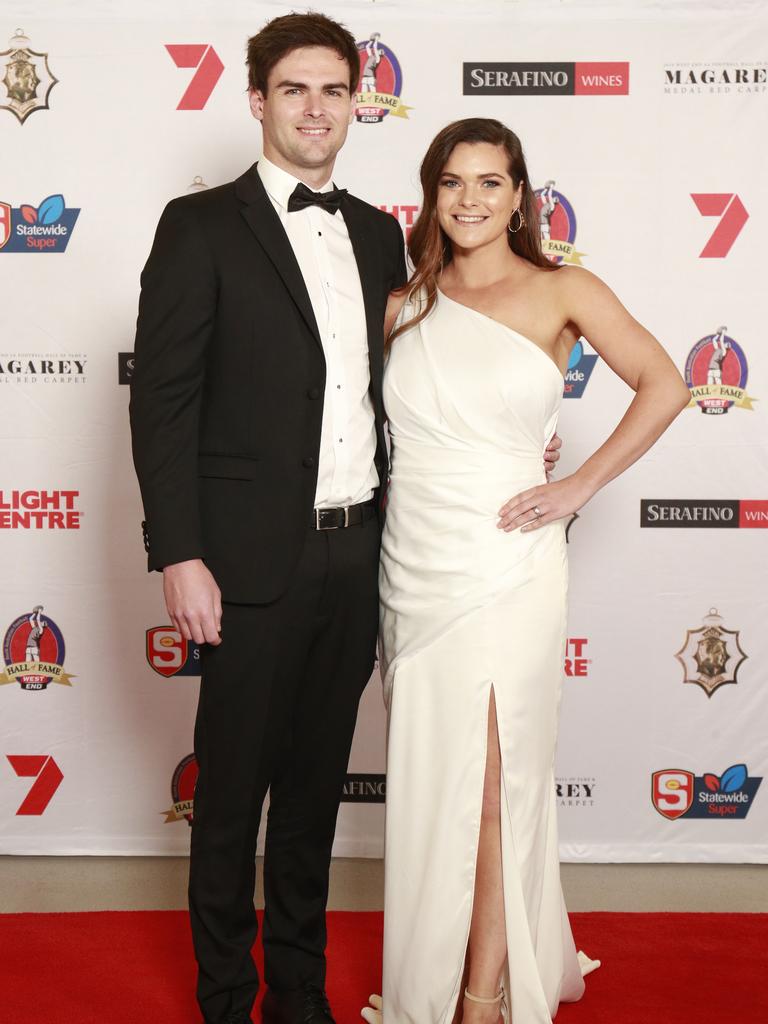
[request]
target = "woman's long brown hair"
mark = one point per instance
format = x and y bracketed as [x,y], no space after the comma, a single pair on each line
[429,246]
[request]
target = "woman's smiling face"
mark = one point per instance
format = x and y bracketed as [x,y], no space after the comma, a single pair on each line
[476,195]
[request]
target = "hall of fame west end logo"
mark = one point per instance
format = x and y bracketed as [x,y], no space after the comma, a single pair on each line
[33,651]
[183,785]
[381,82]
[716,373]
[557,223]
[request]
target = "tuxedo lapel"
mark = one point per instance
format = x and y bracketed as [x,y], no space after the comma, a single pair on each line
[261,218]
[366,249]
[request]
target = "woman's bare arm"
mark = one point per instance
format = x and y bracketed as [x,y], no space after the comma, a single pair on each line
[635,356]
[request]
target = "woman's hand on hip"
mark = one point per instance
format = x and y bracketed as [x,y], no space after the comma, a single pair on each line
[543,504]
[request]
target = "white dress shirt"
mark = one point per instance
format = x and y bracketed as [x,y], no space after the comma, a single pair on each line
[321,245]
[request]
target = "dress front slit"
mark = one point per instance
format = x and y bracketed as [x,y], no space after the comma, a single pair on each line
[450,1010]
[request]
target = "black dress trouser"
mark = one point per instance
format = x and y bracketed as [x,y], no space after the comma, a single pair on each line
[277,710]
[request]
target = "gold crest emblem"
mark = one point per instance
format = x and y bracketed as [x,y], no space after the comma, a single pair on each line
[27,79]
[711,655]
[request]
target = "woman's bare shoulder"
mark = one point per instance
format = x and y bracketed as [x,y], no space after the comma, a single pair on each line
[575,280]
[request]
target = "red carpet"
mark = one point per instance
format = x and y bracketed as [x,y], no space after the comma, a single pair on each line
[137,968]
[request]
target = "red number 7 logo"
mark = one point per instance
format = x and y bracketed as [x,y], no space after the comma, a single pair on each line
[209,69]
[47,775]
[733,216]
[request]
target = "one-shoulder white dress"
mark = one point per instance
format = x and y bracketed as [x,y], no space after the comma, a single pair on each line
[466,607]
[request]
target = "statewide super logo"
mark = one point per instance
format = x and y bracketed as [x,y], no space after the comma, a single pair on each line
[711,655]
[33,651]
[43,228]
[580,367]
[183,790]
[716,374]
[169,654]
[381,81]
[677,793]
[557,222]
[27,79]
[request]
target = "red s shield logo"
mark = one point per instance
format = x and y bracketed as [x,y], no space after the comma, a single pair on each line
[672,793]
[166,650]
[5,223]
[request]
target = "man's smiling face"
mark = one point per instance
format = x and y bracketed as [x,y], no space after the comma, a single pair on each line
[306,112]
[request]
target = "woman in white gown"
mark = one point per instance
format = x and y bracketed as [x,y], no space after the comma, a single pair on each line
[474,585]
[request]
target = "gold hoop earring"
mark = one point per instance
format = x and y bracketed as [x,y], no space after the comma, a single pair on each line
[521,224]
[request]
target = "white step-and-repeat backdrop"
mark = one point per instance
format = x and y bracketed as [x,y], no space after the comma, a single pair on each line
[644,126]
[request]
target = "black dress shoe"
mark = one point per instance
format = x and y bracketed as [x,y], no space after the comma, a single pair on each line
[305,1005]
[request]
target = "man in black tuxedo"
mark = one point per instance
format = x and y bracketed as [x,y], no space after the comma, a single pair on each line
[258,441]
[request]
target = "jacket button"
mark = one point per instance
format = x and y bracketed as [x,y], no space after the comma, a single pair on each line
[313,393]
[308,462]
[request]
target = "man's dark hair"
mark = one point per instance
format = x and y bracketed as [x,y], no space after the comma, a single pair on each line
[292,31]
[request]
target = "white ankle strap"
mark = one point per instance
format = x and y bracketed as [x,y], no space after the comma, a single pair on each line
[483,999]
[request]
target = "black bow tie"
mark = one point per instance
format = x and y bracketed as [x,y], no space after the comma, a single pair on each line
[302,197]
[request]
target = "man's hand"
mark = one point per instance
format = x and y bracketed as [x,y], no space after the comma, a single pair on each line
[193,601]
[552,454]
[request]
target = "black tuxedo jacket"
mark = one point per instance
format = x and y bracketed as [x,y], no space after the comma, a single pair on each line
[228,383]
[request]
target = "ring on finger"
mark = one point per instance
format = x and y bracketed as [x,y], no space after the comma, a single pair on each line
[537,511]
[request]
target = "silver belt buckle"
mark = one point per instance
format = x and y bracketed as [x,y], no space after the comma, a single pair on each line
[318,511]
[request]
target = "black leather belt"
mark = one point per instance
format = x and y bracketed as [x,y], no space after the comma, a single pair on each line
[338,518]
